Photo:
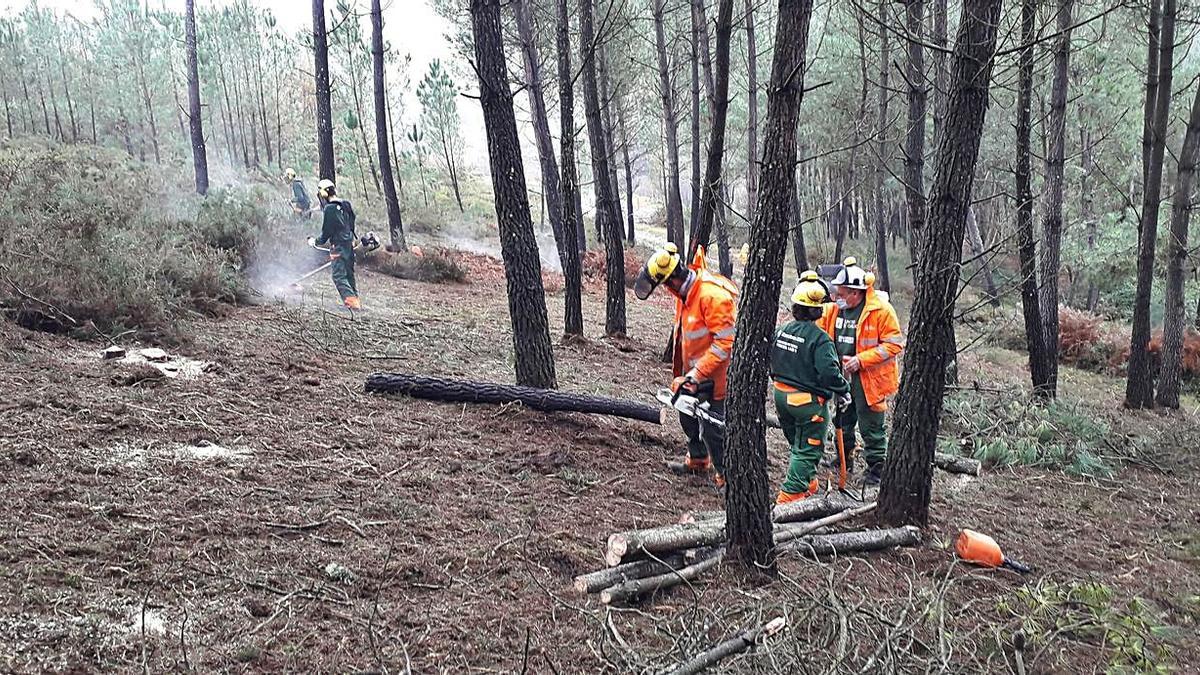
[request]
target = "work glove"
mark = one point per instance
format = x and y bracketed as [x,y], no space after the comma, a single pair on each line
[685,384]
[844,401]
[311,241]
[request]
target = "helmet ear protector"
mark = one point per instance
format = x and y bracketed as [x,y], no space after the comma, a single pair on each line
[659,267]
[811,291]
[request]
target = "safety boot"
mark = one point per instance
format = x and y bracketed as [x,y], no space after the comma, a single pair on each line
[352,302]
[691,465]
[873,475]
[814,486]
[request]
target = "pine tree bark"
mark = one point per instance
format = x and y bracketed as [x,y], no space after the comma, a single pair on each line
[883,278]
[395,223]
[326,166]
[751,113]
[1139,385]
[748,498]
[694,216]
[631,236]
[606,208]
[975,239]
[1175,314]
[572,223]
[940,39]
[908,471]
[1035,337]
[518,247]
[711,195]
[799,252]
[671,128]
[1052,208]
[535,88]
[914,145]
[195,112]
[609,98]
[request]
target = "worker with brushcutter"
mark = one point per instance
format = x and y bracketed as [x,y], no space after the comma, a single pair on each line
[807,375]
[337,230]
[702,345]
[300,203]
[866,333]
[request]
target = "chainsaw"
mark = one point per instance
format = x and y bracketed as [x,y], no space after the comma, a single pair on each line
[690,404]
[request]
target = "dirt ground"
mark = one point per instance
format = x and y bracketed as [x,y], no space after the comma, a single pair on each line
[259,512]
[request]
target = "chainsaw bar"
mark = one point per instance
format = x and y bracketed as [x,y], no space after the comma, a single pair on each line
[690,406]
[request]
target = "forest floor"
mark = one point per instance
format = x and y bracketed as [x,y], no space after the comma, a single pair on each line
[260,512]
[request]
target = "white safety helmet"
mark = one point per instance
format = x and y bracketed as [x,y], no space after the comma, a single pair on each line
[851,275]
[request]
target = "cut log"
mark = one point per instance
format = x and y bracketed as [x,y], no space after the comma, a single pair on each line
[611,576]
[853,542]
[956,464]
[790,532]
[734,645]
[701,516]
[547,400]
[626,546]
[635,588]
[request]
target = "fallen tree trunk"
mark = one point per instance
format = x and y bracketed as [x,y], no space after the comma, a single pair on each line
[625,546]
[635,588]
[611,576]
[853,542]
[547,400]
[734,645]
[956,464]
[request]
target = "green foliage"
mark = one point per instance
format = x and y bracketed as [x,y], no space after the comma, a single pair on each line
[1002,432]
[1132,634]
[94,252]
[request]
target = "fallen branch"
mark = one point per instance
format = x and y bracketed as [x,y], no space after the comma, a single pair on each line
[734,645]
[547,400]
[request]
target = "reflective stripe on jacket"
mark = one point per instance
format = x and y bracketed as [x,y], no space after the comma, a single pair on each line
[878,341]
[704,327]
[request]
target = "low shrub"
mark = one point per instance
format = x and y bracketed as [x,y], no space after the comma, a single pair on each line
[100,245]
[434,266]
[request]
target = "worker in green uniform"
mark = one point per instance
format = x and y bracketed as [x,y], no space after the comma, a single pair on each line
[337,230]
[301,204]
[807,375]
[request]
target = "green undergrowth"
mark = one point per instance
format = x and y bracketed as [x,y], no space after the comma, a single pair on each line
[1004,430]
[1132,634]
[100,244]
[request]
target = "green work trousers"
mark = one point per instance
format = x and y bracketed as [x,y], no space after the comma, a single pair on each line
[870,424]
[706,439]
[804,427]
[343,270]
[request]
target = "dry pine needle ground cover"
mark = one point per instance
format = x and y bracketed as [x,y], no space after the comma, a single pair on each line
[267,515]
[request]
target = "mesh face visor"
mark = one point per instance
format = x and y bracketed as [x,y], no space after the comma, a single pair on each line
[644,285]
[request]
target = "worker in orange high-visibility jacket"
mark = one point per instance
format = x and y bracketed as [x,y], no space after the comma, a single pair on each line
[867,336]
[705,314]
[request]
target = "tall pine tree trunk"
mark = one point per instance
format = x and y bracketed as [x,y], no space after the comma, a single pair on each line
[606,207]
[883,279]
[326,166]
[522,268]
[395,223]
[572,229]
[671,128]
[1035,337]
[748,497]
[195,112]
[914,145]
[523,11]
[711,195]
[751,113]
[695,91]
[1139,386]
[908,471]
[608,98]
[630,237]
[1175,315]
[1052,208]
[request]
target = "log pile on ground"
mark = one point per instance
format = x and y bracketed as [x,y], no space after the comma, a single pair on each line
[641,562]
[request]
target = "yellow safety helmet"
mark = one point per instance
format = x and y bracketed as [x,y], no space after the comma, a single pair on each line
[810,291]
[869,277]
[744,254]
[658,268]
[290,173]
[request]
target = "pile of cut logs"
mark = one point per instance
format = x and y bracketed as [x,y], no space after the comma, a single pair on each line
[641,562]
